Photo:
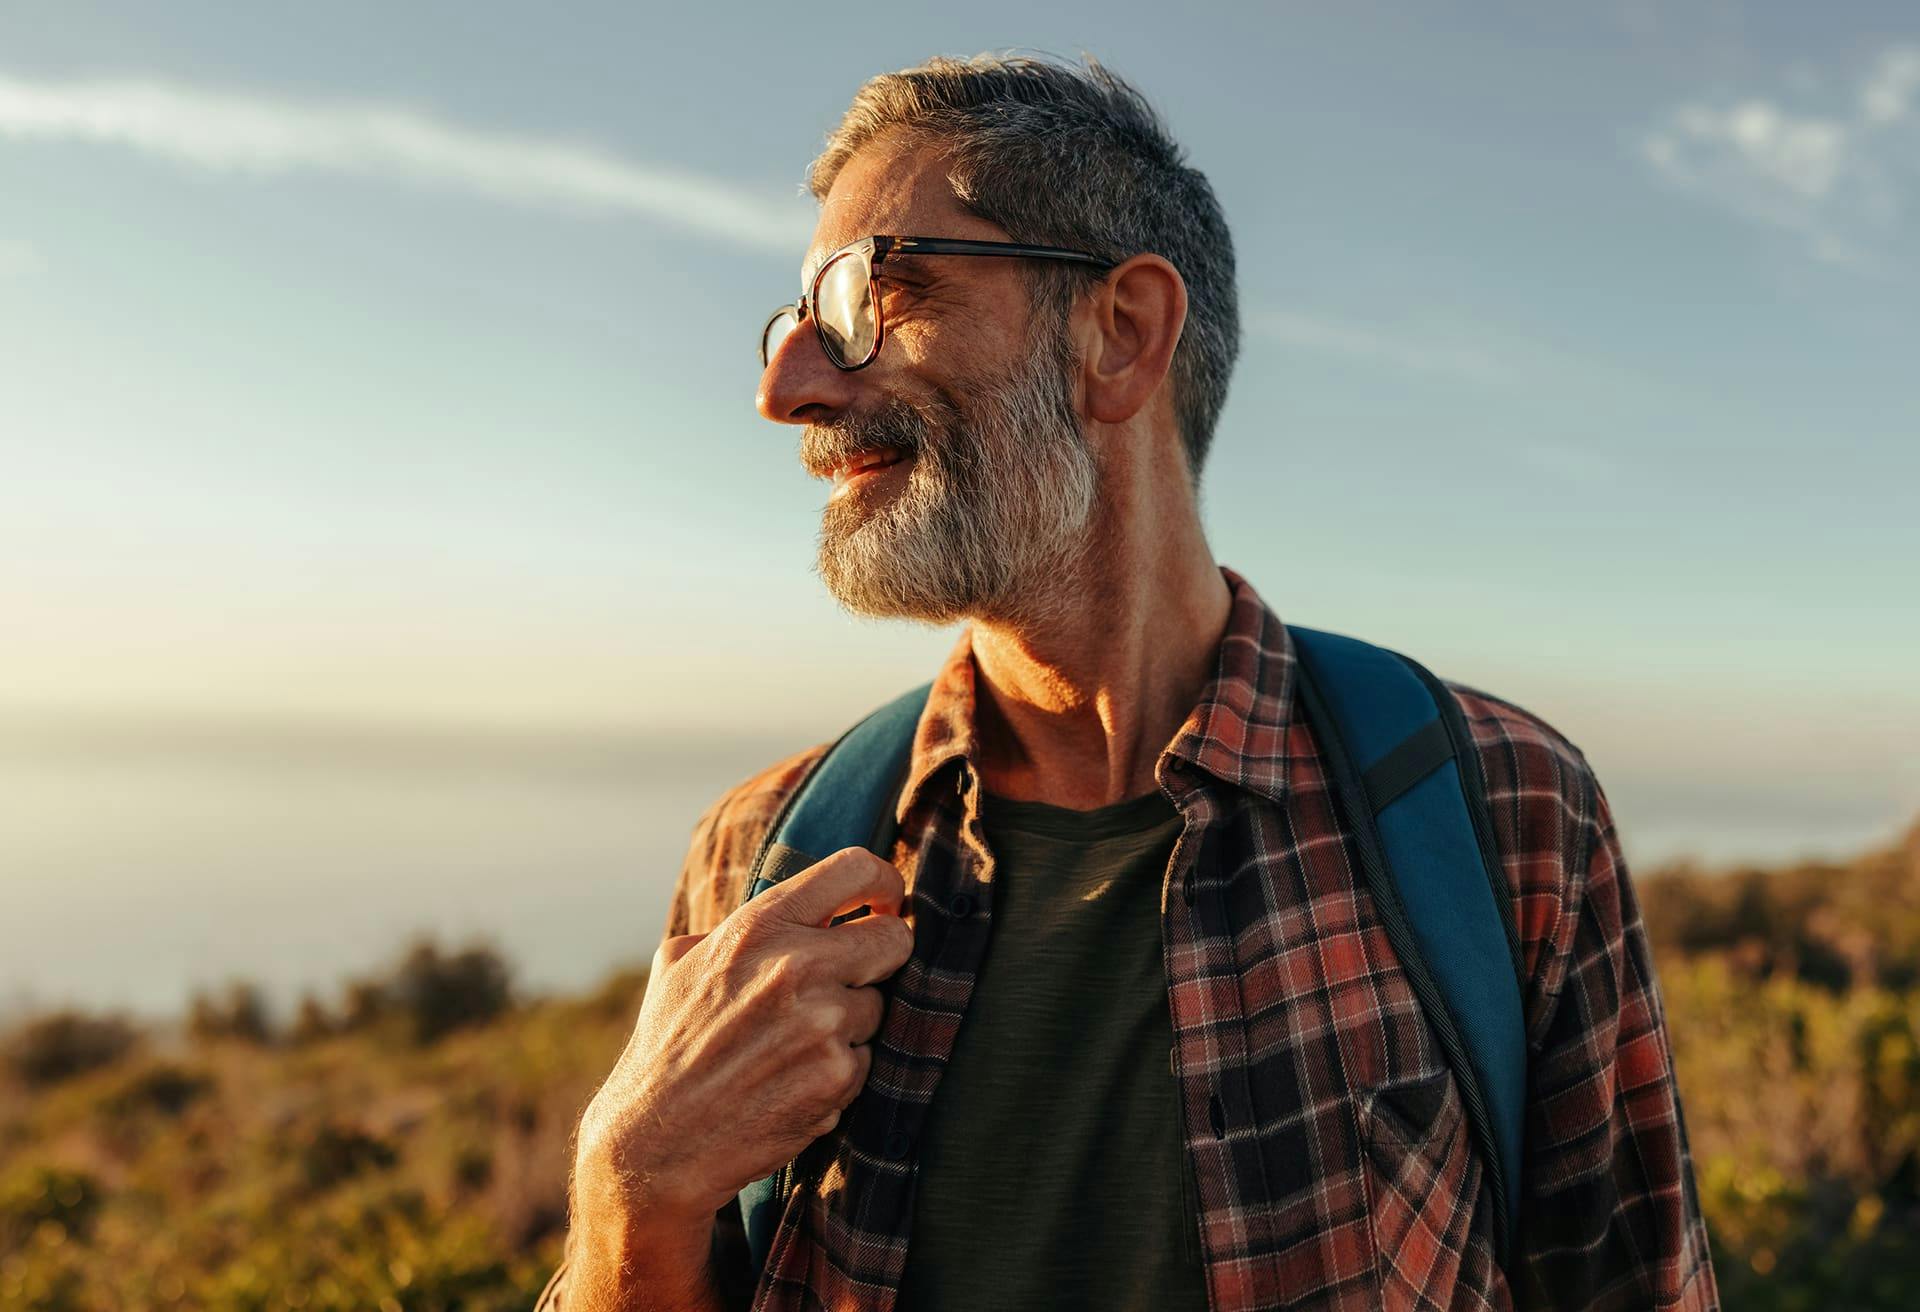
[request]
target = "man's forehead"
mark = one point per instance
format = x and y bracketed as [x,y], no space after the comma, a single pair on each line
[890,187]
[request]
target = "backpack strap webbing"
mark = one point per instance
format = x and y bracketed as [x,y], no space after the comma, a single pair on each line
[1407,775]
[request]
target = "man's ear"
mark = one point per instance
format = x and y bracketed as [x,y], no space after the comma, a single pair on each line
[1135,318]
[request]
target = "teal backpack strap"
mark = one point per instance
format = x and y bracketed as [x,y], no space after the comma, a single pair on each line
[845,800]
[1407,775]
[1395,744]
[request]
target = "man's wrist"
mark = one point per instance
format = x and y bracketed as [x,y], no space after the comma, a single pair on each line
[642,1264]
[636,1256]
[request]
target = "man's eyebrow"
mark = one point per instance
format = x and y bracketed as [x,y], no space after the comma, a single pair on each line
[908,269]
[897,268]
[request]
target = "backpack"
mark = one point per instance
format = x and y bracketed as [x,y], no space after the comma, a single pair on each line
[1407,778]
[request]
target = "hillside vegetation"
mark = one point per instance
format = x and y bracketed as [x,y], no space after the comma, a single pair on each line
[1793,997]
[404,1149]
[405,1146]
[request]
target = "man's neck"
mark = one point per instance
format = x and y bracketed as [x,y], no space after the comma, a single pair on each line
[1078,714]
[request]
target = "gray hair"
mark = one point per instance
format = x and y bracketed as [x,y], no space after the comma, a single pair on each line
[1070,155]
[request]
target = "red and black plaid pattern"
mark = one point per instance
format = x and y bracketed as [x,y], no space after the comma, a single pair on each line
[1328,1141]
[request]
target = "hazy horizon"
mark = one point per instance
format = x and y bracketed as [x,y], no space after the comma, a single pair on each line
[147,864]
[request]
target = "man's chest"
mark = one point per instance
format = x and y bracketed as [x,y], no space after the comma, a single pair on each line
[1326,1139]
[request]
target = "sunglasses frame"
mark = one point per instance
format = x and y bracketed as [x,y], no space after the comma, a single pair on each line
[876,249]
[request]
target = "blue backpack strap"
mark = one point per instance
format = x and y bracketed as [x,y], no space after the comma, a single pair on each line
[845,800]
[1394,740]
[1407,775]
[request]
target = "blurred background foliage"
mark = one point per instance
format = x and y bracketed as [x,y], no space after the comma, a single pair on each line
[1793,996]
[405,1145]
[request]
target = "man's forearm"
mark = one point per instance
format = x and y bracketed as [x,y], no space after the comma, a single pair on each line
[626,1253]
[619,1269]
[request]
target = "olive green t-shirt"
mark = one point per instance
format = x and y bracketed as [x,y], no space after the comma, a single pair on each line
[1052,1172]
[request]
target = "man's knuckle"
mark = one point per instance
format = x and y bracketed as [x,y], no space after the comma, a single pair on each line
[859,1060]
[886,951]
[836,861]
[855,1082]
[889,876]
[734,937]
[828,1019]
[781,976]
[838,1069]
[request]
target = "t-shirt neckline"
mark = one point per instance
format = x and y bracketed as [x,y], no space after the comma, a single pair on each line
[1134,815]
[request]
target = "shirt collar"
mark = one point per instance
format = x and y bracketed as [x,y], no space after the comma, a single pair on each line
[1236,731]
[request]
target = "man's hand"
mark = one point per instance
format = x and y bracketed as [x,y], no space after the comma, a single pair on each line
[751,1040]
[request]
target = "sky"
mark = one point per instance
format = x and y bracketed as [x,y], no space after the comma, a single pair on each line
[388,370]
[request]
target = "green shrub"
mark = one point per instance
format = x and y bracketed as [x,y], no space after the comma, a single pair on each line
[439,994]
[472,1168]
[374,1247]
[35,1198]
[312,1021]
[63,1044]
[238,1011]
[335,1152]
[429,994]
[163,1088]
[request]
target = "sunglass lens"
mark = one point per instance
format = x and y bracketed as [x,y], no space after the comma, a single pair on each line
[776,332]
[843,300]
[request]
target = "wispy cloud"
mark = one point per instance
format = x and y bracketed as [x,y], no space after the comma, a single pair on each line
[1409,352]
[257,134]
[1837,174]
[18,259]
[1890,90]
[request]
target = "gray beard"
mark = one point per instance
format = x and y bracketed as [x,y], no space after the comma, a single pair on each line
[993,521]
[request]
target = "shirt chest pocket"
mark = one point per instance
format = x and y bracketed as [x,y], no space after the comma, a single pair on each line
[1432,1243]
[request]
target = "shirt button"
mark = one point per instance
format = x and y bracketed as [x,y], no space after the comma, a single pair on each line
[1186,887]
[1173,1061]
[899,1144]
[1217,1117]
[961,906]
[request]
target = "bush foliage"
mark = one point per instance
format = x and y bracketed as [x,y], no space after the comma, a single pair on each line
[408,1148]
[1793,997]
[237,1012]
[63,1044]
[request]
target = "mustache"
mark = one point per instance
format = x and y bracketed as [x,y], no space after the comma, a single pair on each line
[825,447]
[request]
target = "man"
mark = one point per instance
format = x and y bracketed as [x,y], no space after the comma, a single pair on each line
[1143,1041]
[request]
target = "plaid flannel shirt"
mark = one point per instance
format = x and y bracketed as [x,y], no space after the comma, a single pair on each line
[1327,1138]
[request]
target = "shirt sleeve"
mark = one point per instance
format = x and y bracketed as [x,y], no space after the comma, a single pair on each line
[1610,1213]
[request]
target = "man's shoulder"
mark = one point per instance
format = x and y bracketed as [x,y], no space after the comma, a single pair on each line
[1520,752]
[1546,808]
[727,837]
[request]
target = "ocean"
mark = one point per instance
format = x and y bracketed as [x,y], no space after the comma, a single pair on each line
[140,864]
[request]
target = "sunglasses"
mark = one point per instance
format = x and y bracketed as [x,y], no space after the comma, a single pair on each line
[844,304]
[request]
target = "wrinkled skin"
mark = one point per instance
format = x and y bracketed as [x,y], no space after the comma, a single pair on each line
[769,1016]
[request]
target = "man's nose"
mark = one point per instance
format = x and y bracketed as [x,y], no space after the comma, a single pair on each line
[800,385]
